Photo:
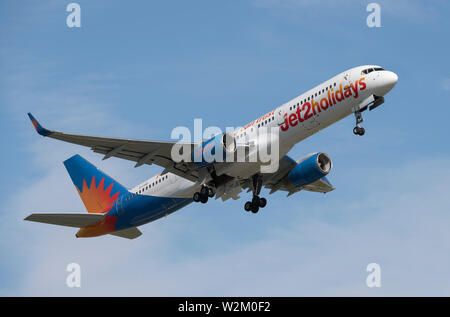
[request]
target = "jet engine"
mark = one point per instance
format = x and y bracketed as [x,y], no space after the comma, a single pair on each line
[214,150]
[310,169]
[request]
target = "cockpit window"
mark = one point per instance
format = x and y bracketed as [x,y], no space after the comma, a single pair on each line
[369,70]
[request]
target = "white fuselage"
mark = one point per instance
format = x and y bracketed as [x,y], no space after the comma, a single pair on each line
[297,119]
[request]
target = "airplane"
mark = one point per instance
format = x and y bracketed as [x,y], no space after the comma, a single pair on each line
[116,210]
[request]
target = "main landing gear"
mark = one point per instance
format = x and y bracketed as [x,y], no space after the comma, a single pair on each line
[257,202]
[203,195]
[358,130]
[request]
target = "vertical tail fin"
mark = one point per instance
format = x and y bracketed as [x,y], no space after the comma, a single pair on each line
[97,190]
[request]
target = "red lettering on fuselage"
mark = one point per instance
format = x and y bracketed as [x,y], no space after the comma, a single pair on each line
[306,111]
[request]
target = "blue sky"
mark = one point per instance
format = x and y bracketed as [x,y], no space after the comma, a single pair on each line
[138,70]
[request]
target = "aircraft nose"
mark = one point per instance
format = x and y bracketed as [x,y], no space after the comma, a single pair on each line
[390,79]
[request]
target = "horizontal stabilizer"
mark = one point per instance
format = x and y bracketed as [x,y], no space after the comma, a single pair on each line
[67,220]
[130,233]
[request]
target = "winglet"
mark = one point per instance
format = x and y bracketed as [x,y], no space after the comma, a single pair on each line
[39,129]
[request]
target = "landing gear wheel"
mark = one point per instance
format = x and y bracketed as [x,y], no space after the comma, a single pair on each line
[197,197]
[256,202]
[204,191]
[262,202]
[211,193]
[359,131]
[204,199]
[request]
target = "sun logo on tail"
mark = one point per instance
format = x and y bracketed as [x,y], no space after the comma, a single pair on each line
[97,199]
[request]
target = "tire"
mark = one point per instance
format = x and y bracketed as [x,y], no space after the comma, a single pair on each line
[204,199]
[255,209]
[255,201]
[248,206]
[262,202]
[356,130]
[362,131]
[196,197]
[204,191]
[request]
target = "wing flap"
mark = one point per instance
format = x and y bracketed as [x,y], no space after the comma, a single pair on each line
[321,186]
[67,220]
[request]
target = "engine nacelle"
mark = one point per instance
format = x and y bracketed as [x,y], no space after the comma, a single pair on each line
[310,169]
[214,150]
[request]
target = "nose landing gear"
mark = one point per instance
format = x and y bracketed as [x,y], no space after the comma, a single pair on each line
[358,130]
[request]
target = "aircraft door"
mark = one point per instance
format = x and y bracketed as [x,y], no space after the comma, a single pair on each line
[119,206]
[347,80]
[280,115]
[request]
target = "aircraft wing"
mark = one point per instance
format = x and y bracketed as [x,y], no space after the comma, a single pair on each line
[139,151]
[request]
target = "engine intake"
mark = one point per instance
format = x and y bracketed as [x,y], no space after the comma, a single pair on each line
[310,169]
